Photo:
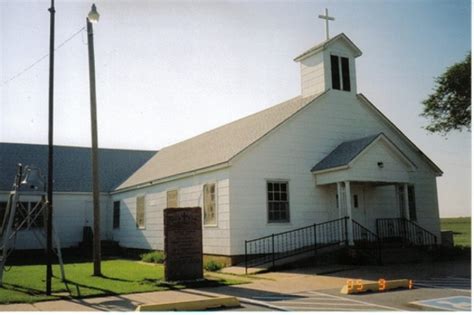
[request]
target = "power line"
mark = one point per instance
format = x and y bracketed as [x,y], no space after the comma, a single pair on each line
[42,58]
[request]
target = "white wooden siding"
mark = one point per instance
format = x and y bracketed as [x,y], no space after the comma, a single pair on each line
[312,75]
[190,194]
[316,70]
[289,153]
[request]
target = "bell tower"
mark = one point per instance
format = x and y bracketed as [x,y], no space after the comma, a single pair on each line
[329,65]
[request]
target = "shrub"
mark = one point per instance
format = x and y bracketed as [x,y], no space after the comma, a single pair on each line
[212,265]
[153,257]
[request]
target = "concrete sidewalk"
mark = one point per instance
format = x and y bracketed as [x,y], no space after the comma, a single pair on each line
[287,282]
[119,303]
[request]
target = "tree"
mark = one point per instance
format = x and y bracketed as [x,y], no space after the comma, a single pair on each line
[449,107]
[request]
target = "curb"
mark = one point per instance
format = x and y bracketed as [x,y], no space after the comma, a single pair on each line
[191,305]
[259,303]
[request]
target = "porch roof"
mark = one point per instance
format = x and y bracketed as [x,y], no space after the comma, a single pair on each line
[344,153]
[370,159]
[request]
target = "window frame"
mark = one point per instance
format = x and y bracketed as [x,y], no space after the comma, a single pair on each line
[144,212]
[355,200]
[335,73]
[345,85]
[278,181]
[340,74]
[116,223]
[215,205]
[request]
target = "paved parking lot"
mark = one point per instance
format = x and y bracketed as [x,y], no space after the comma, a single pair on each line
[306,290]
[397,300]
[319,301]
[441,284]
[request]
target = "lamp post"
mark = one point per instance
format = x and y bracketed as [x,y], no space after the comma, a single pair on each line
[49,217]
[93,17]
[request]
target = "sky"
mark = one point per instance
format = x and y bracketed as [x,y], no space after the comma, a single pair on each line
[169,70]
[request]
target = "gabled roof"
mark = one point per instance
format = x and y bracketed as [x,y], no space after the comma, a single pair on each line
[433,166]
[328,42]
[344,153]
[72,165]
[215,147]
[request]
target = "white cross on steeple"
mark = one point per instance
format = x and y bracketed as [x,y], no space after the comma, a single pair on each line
[327,18]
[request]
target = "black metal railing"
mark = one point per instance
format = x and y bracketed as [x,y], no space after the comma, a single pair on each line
[404,231]
[271,248]
[367,242]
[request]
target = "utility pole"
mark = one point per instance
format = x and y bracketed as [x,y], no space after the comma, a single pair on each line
[94,17]
[49,219]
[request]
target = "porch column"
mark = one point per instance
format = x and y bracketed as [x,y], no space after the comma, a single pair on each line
[350,234]
[339,198]
[405,201]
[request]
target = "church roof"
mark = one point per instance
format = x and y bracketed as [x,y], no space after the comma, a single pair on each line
[326,43]
[217,146]
[348,151]
[344,153]
[72,165]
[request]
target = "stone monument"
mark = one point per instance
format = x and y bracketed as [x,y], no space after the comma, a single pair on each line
[183,244]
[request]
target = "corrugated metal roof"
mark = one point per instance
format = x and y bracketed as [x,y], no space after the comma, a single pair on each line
[72,165]
[344,153]
[217,146]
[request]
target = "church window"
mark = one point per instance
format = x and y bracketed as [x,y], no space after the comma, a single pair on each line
[336,81]
[340,73]
[210,215]
[356,201]
[278,202]
[140,220]
[346,81]
[172,198]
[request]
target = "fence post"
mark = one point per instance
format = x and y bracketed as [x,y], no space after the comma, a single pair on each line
[273,250]
[245,256]
[315,240]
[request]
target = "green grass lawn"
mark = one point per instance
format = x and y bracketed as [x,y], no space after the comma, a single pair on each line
[461,228]
[27,283]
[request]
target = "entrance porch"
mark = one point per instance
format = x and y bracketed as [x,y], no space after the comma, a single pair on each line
[370,179]
[368,202]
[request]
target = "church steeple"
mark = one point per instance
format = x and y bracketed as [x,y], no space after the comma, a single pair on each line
[329,65]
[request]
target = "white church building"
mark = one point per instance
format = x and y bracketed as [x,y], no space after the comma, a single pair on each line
[325,154]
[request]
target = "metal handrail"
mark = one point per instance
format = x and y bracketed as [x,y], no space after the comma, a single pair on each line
[277,246]
[298,229]
[405,230]
[372,244]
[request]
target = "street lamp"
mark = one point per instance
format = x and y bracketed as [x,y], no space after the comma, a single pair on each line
[49,216]
[93,17]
